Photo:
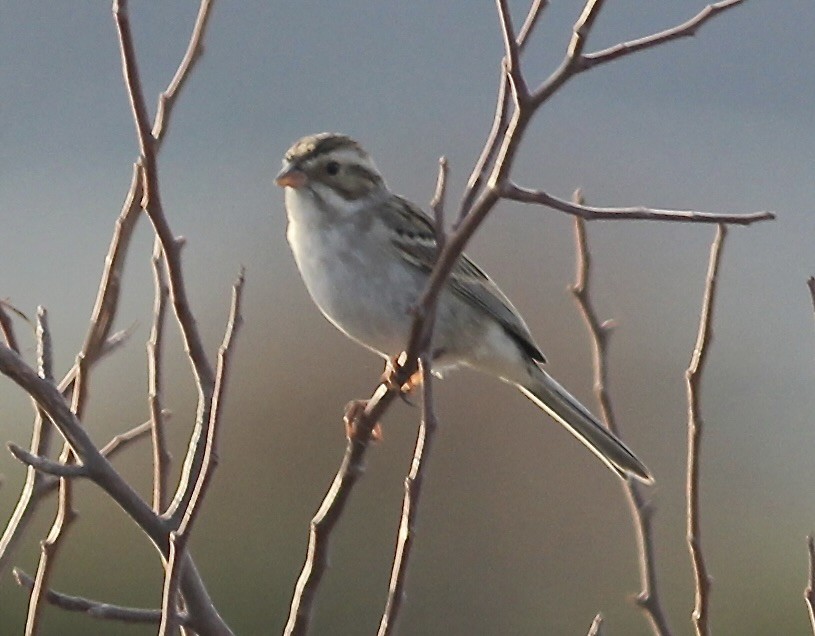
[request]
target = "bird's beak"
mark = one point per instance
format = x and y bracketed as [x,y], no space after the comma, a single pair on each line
[291,177]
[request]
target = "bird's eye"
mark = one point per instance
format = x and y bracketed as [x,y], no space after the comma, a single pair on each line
[332,168]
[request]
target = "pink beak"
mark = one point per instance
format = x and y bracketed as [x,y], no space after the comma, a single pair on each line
[291,177]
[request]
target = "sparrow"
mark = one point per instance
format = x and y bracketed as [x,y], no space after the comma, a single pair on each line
[365,255]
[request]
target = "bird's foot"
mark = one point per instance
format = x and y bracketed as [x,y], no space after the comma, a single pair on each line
[390,377]
[353,412]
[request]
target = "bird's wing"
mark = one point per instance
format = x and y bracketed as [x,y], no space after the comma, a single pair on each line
[415,239]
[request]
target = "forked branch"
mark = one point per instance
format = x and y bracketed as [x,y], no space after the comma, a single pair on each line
[489,183]
[641,510]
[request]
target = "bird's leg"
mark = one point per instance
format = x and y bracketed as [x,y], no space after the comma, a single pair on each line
[353,411]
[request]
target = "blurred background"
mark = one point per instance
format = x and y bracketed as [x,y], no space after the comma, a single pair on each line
[521,530]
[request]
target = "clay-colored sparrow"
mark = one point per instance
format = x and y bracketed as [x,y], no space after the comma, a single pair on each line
[365,254]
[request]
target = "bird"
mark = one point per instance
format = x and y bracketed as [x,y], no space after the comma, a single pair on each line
[365,255]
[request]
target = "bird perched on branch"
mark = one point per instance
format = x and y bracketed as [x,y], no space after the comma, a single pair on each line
[365,255]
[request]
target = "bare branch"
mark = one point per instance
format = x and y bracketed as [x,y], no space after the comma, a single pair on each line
[201,368]
[7,328]
[45,355]
[48,550]
[641,511]
[500,123]
[693,378]
[437,202]
[531,21]
[203,616]
[809,591]
[115,446]
[686,29]
[500,119]
[161,456]
[170,621]
[132,79]
[195,48]
[596,628]
[120,441]
[115,341]
[410,503]
[110,285]
[329,513]
[575,61]
[66,513]
[45,465]
[582,28]
[589,213]
[512,62]
[178,539]
[210,456]
[94,609]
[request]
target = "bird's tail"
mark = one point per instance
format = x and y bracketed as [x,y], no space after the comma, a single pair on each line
[545,392]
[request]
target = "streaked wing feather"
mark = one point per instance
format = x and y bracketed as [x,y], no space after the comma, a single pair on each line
[416,241]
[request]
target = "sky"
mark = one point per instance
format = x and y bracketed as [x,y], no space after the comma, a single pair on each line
[521,531]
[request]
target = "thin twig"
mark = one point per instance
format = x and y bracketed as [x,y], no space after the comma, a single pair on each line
[482,168]
[693,377]
[93,609]
[179,538]
[809,591]
[118,443]
[437,203]
[66,513]
[106,306]
[575,61]
[170,600]
[210,457]
[437,206]
[533,15]
[589,213]
[329,513]
[686,29]
[45,465]
[161,456]
[596,628]
[195,48]
[115,446]
[500,118]
[41,437]
[512,53]
[410,503]
[641,510]
[582,28]
[7,328]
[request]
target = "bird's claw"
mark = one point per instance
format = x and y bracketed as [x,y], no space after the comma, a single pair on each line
[354,410]
[390,377]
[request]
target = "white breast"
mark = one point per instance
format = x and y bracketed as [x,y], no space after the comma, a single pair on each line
[351,273]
